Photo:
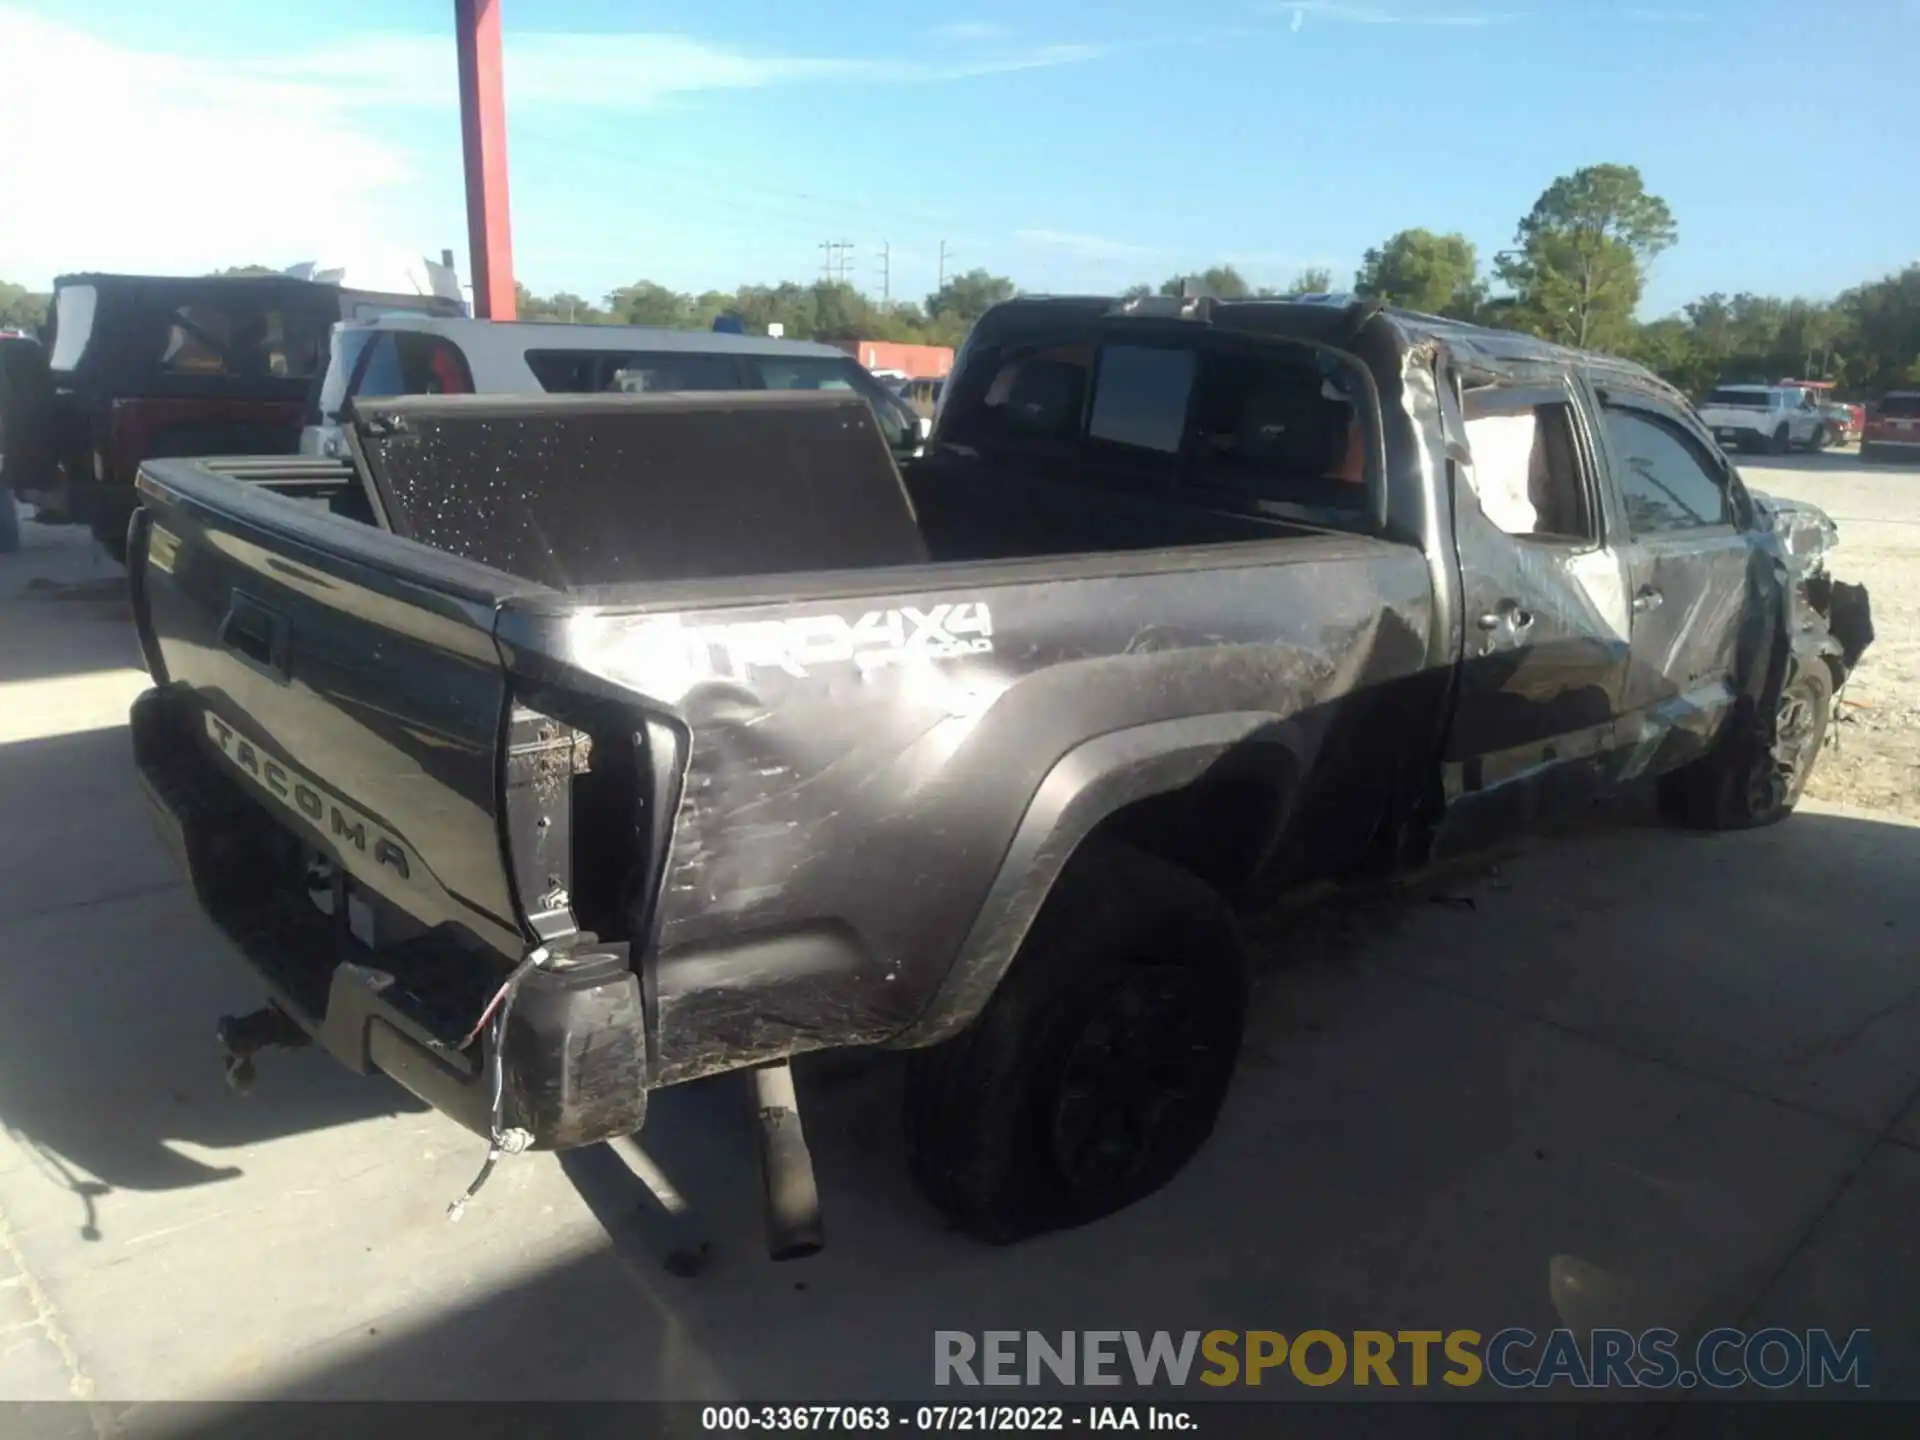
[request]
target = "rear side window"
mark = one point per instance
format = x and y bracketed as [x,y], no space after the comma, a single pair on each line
[1742,399]
[73,311]
[244,342]
[406,362]
[589,372]
[1903,407]
[1526,466]
[820,372]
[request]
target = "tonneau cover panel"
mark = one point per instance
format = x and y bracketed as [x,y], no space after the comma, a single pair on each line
[593,490]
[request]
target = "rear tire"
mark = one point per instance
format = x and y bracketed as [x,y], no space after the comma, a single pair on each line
[26,416]
[1821,438]
[113,541]
[1755,777]
[1097,1069]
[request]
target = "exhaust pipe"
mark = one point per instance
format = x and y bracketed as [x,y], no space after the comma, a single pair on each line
[794,1229]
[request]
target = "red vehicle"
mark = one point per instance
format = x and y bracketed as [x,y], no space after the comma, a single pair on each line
[1893,427]
[141,366]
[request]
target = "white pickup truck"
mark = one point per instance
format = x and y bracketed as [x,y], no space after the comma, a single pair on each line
[1774,418]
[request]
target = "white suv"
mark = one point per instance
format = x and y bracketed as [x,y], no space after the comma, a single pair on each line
[1774,418]
[422,354]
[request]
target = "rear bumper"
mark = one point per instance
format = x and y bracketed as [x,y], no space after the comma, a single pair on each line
[574,1063]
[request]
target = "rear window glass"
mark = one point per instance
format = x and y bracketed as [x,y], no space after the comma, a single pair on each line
[1749,399]
[1255,425]
[1904,406]
[1141,397]
[1279,426]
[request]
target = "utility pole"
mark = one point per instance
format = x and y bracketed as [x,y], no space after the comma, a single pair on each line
[834,268]
[886,273]
[943,267]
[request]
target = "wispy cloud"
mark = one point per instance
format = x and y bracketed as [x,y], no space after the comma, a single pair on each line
[334,105]
[1685,17]
[626,72]
[1087,247]
[1337,12]
[972,30]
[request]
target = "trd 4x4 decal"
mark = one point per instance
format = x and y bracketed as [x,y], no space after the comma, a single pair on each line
[678,653]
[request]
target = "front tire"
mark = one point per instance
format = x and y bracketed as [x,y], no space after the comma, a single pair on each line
[1097,1069]
[1755,777]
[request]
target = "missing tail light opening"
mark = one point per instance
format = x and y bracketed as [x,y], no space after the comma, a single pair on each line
[578,811]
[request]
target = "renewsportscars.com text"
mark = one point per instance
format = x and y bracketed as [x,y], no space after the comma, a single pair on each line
[1512,1359]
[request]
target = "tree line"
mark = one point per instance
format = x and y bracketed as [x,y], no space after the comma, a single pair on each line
[1574,274]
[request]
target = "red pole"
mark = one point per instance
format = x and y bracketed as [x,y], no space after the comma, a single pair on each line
[483,140]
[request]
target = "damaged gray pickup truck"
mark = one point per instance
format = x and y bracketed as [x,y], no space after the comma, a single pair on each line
[545,752]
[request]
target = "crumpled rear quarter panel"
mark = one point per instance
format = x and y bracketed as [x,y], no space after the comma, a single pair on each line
[844,816]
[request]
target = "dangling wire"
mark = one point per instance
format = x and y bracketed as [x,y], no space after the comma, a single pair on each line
[500,1140]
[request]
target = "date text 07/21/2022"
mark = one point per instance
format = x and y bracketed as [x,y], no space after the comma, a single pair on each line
[944,1419]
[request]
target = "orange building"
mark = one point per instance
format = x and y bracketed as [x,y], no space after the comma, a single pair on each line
[916,362]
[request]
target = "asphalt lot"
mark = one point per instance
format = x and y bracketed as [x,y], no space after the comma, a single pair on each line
[1626,1076]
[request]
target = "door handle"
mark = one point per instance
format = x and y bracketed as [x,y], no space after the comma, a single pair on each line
[257,635]
[1648,599]
[1514,619]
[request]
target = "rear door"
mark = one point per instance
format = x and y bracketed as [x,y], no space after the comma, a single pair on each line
[1547,632]
[1688,561]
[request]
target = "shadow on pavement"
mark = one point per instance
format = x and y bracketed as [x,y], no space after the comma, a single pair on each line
[1619,1079]
[110,986]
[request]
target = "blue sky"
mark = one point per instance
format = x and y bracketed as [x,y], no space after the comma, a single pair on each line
[1072,145]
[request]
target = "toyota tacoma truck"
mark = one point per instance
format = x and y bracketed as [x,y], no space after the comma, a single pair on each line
[545,752]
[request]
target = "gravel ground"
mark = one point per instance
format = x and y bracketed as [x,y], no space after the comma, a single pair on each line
[1873,761]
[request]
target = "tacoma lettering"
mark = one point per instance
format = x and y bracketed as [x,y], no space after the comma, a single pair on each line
[348,827]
